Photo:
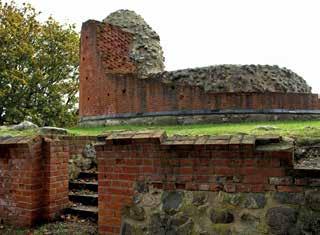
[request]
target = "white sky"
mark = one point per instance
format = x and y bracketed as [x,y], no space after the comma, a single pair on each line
[197,33]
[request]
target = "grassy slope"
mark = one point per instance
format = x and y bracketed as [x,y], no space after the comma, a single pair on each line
[285,128]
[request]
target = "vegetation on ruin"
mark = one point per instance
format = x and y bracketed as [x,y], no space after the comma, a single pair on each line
[284,128]
[38,68]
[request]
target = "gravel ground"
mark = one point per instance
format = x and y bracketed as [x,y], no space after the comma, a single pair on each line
[76,227]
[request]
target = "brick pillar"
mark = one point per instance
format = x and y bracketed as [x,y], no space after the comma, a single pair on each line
[56,156]
[114,192]
[21,185]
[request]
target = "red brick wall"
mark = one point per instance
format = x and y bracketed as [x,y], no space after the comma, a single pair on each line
[56,181]
[103,91]
[21,183]
[34,177]
[76,144]
[104,49]
[232,164]
[114,48]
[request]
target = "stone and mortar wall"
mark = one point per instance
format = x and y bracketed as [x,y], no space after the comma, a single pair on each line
[151,184]
[111,87]
[34,177]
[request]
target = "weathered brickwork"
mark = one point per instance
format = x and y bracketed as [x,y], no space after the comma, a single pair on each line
[109,85]
[232,164]
[114,45]
[56,177]
[34,177]
[131,166]
[22,181]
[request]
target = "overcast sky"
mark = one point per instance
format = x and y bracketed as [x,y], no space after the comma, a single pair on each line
[197,33]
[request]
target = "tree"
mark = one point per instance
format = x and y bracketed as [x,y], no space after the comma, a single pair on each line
[39,64]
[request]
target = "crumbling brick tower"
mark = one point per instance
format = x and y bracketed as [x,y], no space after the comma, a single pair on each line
[122,45]
[122,80]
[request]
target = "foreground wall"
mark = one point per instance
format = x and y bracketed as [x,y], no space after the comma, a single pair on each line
[108,88]
[151,184]
[34,177]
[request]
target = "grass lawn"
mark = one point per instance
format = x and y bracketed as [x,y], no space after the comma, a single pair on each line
[284,128]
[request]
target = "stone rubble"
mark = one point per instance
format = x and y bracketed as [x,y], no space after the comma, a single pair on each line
[50,130]
[146,50]
[147,54]
[25,125]
[237,78]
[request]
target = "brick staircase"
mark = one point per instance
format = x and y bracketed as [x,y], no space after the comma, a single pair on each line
[83,195]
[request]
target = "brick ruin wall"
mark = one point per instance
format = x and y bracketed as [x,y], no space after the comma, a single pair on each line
[147,179]
[34,177]
[109,87]
[151,184]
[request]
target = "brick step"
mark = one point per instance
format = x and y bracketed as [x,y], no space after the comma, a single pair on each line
[84,212]
[88,175]
[83,185]
[84,199]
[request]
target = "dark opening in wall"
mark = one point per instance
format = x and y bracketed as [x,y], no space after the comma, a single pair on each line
[181,97]
[87,78]
[83,59]
[173,87]
[124,91]
[108,94]
[88,98]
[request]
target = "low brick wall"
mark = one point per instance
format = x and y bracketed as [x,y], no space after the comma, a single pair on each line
[34,177]
[129,163]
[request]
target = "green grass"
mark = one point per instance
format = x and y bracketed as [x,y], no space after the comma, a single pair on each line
[6,132]
[284,128]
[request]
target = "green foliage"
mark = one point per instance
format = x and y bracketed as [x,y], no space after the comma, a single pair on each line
[38,68]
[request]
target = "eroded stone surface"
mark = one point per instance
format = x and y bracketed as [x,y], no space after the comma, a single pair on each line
[238,78]
[82,162]
[313,200]
[289,198]
[281,220]
[146,50]
[254,201]
[50,130]
[307,157]
[134,212]
[221,216]
[172,201]
[25,125]
[198,212]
